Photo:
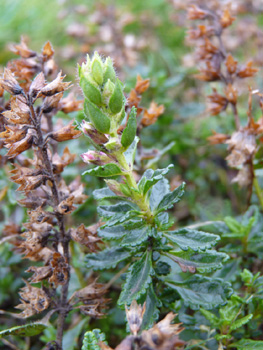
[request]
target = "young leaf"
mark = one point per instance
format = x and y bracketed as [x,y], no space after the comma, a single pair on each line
[91,340]
[240,322]
[171,198]
[90,91]
[129,132]
[107,170]
[130,152]
[107,258]
[97,117]
[214,321]
[199,291]
[151,177]
[159,190]
[116,100]
[138,279]
[186,238]
[27,330]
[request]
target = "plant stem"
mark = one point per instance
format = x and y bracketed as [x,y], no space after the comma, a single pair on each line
[63,237]
[138,198]
[258,191]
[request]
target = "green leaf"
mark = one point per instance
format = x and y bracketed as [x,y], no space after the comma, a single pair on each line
[187,238]
[137,236]
[240,322]
[229,271]
[200,291]
[212,318]
[151,177]
[108,211]
[27,330]
[109,71]
[104,193]
[162,268]
[100,121]
[90,91]
[120,218]
[107,170]
[130,152]
[118,231]
[152,309]
[91,340]
[233,224]
[159,190]
[70,337]
[248,344]
[230,311]
[129,132]
[138,279]
[117,98]
[97,70]
[107,258]
[201,261]
[171,198]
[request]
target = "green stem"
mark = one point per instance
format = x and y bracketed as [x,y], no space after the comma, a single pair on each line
[258,191]
[138,198]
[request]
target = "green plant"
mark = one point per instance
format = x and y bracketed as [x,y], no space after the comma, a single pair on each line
[135,219]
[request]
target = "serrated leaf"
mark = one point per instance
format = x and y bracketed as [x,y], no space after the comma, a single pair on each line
[108,211]
[229,312]
[240,322]
[151,177]
[137,280]
[186,238]
[200,291]
[152,309]
[27,330]
[91,340]
[198,261]
[136,236]
[159,190]
[120,218]
[248,344]
[171,198]
[107,258]
[118,231]
[107,170]
[212,318]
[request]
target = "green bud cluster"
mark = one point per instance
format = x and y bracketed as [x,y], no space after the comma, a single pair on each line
[104,104]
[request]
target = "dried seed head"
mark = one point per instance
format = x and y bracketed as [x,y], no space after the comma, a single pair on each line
[135,316]
[10,84]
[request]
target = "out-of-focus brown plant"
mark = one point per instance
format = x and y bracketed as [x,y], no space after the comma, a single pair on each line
[28,124]
[216,64]
[145,116]
[162,336]
[107,24]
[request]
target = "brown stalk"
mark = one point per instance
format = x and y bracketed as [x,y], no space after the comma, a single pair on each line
[63,237]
